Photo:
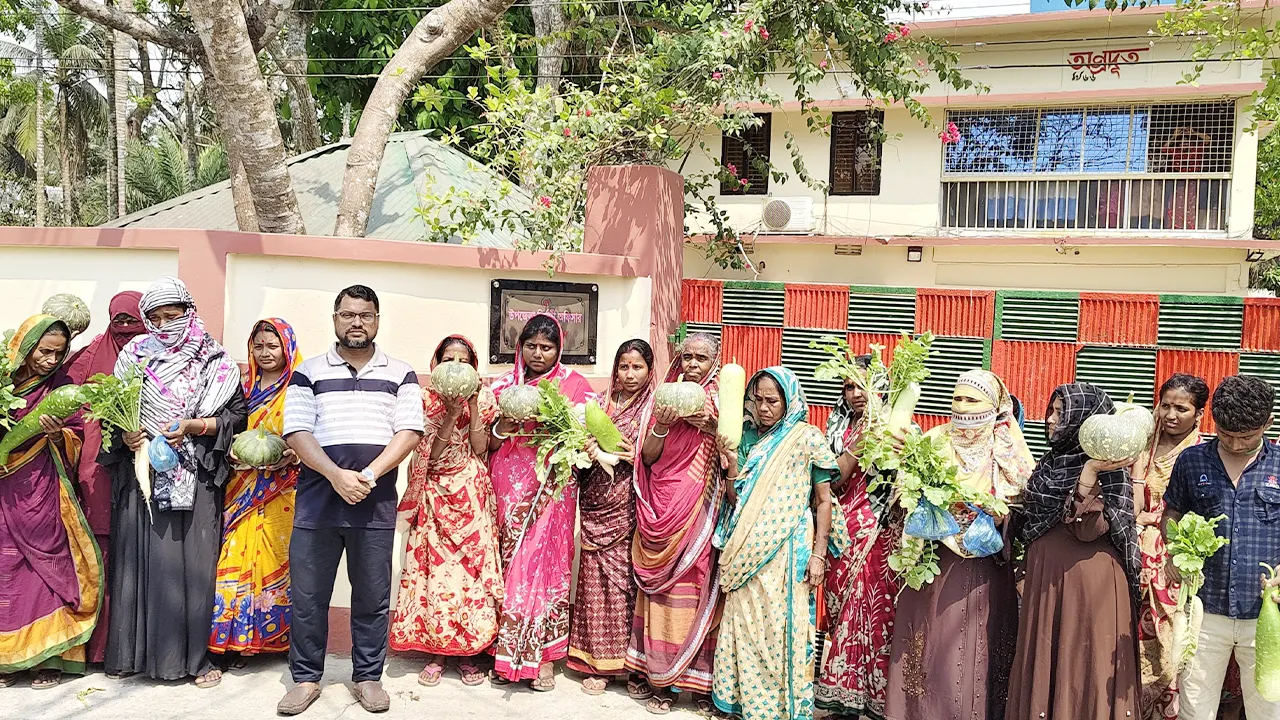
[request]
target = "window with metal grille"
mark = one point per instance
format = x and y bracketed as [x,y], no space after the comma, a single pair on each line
[855,152]
[746,156]
[1133,167]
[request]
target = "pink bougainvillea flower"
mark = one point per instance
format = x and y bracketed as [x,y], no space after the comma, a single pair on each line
[904,31]
[544,201]
[823,64]
[891,36]
[733,169]
[716,75]
[568,132]
[748,25]
[764,34]
[743,182]
[951,134]
[587,112]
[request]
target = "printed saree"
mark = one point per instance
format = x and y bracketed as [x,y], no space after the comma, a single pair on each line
[764,661]
[452,577]
[251,606]
[50,565]
[673,633]
[536,538]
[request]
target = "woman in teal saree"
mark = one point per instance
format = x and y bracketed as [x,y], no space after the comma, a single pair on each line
[778,528]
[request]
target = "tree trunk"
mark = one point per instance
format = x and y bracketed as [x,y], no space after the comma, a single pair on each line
[40,179]
[548,31]
[120,91]
[246,114]
[241,194]
[69,213]
[290,54]
[193,141]
[147,102]
[113,136]
[434,38]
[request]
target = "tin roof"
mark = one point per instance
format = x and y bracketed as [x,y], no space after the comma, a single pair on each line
[411,161]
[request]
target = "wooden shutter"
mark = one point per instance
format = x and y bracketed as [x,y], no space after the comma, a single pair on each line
[855,152]
[744,151]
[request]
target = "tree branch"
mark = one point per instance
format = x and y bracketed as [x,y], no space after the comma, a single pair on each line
[133,25]
[264,21]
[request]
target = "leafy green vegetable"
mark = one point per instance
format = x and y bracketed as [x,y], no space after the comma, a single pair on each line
[115,403]
[920,470]
[561,438]
[1190,541]
[8,401]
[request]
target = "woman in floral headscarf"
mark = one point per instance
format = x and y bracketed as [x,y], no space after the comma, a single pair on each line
[953,638]
[49,562]
[779,529]
[451,583]
[251,609]
[165,534]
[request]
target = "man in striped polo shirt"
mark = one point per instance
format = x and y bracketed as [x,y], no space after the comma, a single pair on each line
[352,415]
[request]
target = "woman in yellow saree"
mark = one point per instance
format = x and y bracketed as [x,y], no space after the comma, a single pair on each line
[774,548]
[251,608]
[50,565]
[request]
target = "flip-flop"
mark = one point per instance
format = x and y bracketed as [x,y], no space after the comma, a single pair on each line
[46,679]
[543,684]
[589,685]
[497,679]
[470,670]
[204,682]
[660,704]
[8,680]
[639,689]
[430,675]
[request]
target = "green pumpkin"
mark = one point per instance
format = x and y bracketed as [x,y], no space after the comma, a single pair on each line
[519,402]
[686,398]
[258,448]
[455,380]
[69,309]
[1118,436]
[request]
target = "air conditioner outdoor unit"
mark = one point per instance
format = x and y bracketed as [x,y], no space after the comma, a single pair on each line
[787,215]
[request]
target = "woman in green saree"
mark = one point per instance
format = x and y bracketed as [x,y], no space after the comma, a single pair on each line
[775,535]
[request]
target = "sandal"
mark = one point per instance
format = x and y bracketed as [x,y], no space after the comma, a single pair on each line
[660,704]
[46,679]
[211,679]
[430,675]
[496,679]
[9,680]
[543,683]
[471,673]
[639,689]
[594,685]
[705,707]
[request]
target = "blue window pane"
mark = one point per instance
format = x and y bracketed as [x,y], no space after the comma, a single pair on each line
[1061,135]
[1141,133]
[1106,141]
[993,142]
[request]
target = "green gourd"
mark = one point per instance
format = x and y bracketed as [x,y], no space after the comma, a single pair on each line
[258,448]
[69,309]
[686,398]
[1266,674]
[62,403]
[455,380]
[601,427]
[1118,436]
[519,402]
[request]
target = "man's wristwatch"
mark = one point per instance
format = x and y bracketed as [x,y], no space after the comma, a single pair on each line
[369,477]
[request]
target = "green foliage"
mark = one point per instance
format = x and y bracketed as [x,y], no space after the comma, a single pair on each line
[655,101]
[8,401]
[560,440]
[115,403]
[1190,541]
[155,172]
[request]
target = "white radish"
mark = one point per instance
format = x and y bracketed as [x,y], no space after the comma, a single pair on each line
[607,461]
[142,470]
[1194,620]
[1179,622]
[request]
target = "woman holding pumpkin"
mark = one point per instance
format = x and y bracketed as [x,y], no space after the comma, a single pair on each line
[535,522]
[606,594]
[49,563]
[451,583]
[251,608]
[92,480]
[953,639]
[773,553]
[678,496]
[1076,656]
[1182,402]
[860,586]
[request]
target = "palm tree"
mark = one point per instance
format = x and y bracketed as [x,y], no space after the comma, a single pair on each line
[158,172]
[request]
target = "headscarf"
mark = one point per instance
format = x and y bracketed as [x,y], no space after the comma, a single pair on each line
[797,409]
[557,371]
[1053,483]
[630,413]
[256,396]
[100,355]
[984,440]
[24,341]
[185,374]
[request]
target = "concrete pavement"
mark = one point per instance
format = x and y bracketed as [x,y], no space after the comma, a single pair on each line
[252,692]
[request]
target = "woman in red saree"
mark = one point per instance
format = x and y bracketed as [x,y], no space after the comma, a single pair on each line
[860,586]
[535,526]
[92,479]
[1182,402]
[50,565]
[678,496]
[451,584]
[606,596]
